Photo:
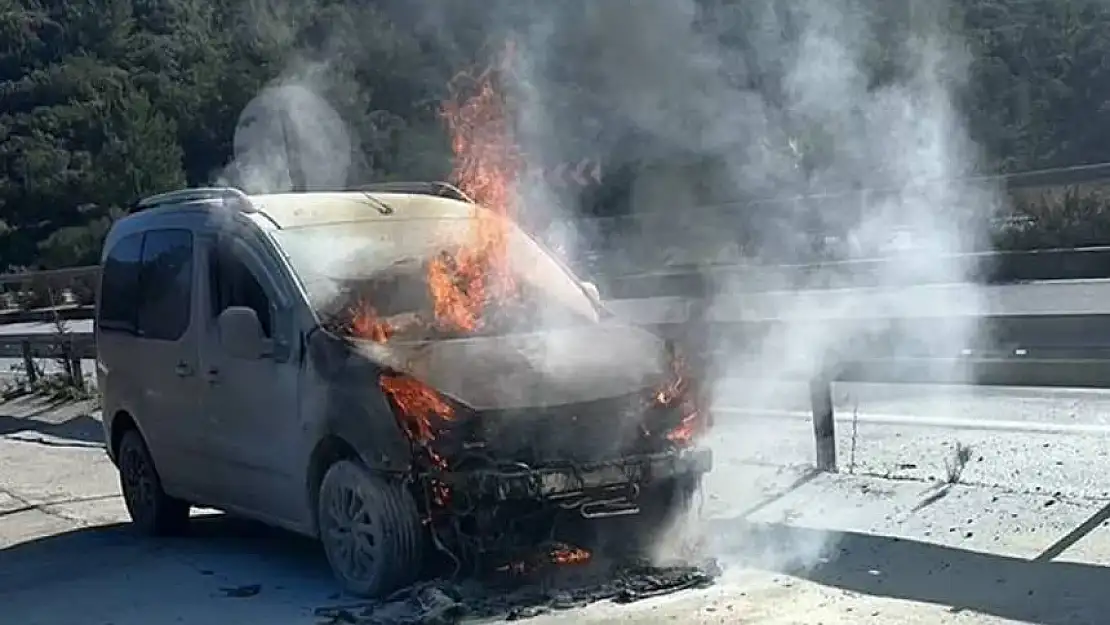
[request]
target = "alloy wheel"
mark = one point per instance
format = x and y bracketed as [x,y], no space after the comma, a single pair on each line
[138,483]
[351,531]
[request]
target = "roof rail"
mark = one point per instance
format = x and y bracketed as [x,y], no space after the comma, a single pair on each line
[227,194]
[441,189]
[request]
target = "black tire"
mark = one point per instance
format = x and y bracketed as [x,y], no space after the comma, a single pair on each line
[152,511]
[370,529]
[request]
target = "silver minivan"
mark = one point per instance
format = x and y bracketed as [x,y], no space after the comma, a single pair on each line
[283,358]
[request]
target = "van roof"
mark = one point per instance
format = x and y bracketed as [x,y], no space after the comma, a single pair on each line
[295,210]
[379,202]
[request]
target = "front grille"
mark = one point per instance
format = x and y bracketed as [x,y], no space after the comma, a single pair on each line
[556,481]
[582,432]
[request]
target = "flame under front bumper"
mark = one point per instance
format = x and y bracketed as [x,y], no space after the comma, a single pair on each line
[558,482]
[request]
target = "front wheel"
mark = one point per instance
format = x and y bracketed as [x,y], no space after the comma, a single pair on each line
[370,530]
[152,511]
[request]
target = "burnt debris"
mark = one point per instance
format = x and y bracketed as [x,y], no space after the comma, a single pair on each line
[449,603]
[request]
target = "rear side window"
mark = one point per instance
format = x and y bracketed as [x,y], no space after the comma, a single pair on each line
[166,284]
[119,286]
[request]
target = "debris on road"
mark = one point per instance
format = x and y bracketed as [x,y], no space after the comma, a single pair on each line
[241,592]
[442,602]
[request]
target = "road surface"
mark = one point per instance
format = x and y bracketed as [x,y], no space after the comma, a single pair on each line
[1065,297]
[1021,538]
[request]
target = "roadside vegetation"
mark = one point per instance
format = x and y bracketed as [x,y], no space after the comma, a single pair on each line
[103,101]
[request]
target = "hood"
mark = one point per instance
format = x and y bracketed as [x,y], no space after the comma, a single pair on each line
[550,368]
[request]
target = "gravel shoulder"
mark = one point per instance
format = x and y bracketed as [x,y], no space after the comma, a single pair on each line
[1021,542]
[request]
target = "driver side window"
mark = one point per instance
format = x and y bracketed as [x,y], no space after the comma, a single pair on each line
[233,283]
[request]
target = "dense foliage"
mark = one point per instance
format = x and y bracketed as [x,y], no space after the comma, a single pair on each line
[102,101]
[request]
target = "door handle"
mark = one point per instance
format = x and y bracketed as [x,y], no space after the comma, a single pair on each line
[183,370]
[212,376]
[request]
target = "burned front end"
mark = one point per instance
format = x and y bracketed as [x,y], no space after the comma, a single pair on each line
[525,403]
[575,451]
[513,468]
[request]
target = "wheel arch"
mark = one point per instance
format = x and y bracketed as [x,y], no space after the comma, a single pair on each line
[121,422]
[331,448]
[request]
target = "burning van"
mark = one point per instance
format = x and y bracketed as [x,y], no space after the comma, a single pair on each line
[398,370]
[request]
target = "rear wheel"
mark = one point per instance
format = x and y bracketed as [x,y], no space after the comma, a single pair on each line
[370,530]
[152,511]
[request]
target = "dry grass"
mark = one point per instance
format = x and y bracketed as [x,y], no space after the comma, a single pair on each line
[957,461]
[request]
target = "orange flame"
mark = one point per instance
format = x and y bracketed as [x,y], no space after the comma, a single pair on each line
[566,555]
[366,324]
[690,426]
[487,166]
[677,384]
[417,404]
[678,389]
[559,554]
[461,282]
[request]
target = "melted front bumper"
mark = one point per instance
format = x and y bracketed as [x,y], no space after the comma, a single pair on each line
[556,482]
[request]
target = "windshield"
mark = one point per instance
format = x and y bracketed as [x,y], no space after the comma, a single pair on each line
[376,273]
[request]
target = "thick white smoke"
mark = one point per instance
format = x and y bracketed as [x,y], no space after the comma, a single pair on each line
[765,101]
[715,104]
[289,137]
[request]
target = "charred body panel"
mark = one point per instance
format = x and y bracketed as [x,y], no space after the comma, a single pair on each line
[499,454]
[508,434]
[600,430]
[495,480]
[355,410]
[563,481]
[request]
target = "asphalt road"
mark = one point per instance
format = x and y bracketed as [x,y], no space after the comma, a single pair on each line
[1069,297]
[1079,297]
[1020,538]
[947,406]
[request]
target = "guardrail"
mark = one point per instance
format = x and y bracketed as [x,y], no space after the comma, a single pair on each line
[999,267]
[1032,334]
[1091,263]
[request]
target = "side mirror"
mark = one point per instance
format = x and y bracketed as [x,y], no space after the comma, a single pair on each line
[241,333]
[592,289]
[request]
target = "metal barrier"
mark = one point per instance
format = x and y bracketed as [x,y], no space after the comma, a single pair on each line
[1005,267]
[1043,334]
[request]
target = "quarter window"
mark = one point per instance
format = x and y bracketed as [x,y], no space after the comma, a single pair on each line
[119,286]
[166,284]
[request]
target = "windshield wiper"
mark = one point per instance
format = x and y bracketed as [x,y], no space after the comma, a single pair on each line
[382,207]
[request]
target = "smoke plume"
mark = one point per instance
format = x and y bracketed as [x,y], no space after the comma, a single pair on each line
[749,128]
[719,104]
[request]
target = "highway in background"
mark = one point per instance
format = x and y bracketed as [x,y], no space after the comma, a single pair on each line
[1073,297]
[954,407]
[890,540]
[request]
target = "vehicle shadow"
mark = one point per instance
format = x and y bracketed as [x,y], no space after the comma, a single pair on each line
[57,418]
[99,569]
[1035,591]
[231,566]
[81,428]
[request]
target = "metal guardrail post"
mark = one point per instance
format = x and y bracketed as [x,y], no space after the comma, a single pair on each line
[29,362]
[824,428]
[73,366]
